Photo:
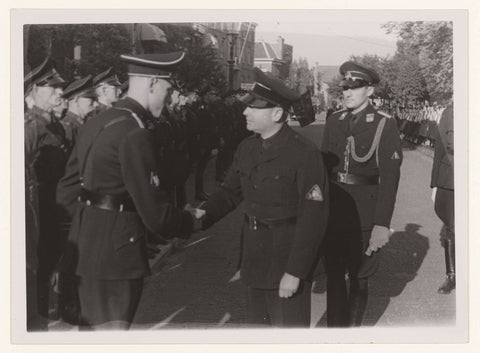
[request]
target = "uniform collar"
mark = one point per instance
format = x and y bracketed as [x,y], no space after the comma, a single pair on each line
[43,114]
[274,140]
[72,117]
[131,104]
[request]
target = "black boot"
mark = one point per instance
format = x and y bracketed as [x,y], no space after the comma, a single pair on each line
[337,301]
[357,301]
[449,284]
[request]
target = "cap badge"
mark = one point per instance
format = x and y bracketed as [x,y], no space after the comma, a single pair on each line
[348,75]
[370,117]
[315,194]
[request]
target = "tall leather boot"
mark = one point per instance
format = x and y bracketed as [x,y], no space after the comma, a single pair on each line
[449,284]
[337,301]
[357,301]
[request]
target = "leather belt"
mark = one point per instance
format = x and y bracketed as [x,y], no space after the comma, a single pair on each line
[107,202]
[355,179]
[255,223]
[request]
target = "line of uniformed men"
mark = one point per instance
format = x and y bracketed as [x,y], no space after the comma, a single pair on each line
[192,125]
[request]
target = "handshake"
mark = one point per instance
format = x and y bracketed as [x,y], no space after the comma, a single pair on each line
[197,214]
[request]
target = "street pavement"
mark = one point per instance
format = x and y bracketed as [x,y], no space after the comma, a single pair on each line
[193,285]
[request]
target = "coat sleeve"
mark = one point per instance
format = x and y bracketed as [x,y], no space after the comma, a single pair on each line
[227,198]
[389,161]
[139,167]
[312,183]
[69,187]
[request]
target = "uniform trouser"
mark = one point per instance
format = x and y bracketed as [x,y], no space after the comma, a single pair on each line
[345,253]
[445,210]
[265,307]
[50,245]
[109,304]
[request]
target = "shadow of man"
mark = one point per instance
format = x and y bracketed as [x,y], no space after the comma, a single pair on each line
[401,260]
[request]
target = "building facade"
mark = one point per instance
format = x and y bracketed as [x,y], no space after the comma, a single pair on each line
[235,42]
[275,58]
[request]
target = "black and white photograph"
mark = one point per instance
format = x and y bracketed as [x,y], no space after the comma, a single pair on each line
[239,176]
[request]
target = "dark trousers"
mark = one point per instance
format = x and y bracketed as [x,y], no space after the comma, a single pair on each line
[345,253]
[109,304]
[265,307]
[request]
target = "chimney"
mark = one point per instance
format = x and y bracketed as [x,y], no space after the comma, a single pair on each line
[280,43]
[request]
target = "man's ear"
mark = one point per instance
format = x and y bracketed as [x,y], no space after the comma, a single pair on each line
[370,90]
[277,113]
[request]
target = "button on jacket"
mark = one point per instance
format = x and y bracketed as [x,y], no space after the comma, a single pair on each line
[276,184]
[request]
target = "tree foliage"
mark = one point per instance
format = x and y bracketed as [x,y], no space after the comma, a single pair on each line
[300,77]
[201,67]
[431,43]
[101,46]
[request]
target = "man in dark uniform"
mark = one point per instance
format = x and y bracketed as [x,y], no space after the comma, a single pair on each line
[46,151]
[113,190]
[443,193]
[80,96]
[107,91]
[363,154]
[281,178]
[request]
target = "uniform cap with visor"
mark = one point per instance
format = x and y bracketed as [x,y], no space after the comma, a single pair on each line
[269,92]
[80,88]
[357,75]
[106,78]
[155,65]
[43,75]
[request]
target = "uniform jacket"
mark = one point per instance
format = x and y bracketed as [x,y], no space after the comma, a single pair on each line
[274,185]
[71,123]
[363,204]
[114,155]
[443,160]
[46,146]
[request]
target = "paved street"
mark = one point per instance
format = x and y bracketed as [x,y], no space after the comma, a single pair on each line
[191,287]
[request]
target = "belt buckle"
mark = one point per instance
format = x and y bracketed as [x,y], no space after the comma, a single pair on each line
[342,177]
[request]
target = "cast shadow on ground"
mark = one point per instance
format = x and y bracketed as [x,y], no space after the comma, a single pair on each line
[401,259]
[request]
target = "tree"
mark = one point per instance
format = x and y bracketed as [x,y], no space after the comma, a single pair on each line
[101,46]
[300,77]
[432,44]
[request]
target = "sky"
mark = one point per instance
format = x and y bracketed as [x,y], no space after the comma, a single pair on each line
[330,37]
[332,42]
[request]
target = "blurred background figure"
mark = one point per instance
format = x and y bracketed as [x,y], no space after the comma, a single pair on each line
[443,194]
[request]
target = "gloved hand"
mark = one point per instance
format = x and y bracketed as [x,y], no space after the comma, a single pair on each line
[380,236]
[288,285]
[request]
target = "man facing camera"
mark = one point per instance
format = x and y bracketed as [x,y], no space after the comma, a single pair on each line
[363,154]
[282,179]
